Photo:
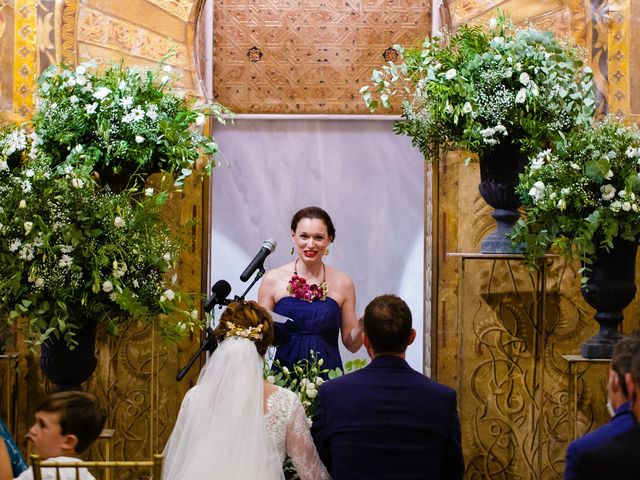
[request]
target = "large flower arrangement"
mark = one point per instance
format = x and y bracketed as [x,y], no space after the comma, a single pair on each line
[582,193]
[70,250]
[79,237]
[124,121]
[480,87]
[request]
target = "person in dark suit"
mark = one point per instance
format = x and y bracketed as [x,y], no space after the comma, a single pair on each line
[619,457]
[387,421]
[619,405]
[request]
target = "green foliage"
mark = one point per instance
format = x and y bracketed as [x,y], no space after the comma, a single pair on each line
[307,377]
[582,193]
[481,86]
[70,250]
[122,122]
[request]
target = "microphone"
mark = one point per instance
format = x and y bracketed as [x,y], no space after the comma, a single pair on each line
[268,246]
[219,293]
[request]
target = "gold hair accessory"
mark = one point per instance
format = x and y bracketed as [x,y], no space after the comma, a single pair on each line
[326,252]
[292,250]
[251,333]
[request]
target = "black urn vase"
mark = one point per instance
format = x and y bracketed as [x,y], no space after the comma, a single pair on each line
[500,169]
[66,368]
[610,288]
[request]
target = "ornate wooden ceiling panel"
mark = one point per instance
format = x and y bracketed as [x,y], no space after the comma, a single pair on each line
[305,56]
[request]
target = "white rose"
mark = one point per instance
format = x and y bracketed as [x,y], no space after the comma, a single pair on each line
[608,191]
[169,294]
[626,206]
[615,206]
[39,282]
[139,139]
[537,191]
[200,119]
[493,23]
[119,222]
[466,108]
[101,93]
[81,70]
[148,191]
[271,379]
[609,175]
[27,227]
[521,96]
[167,257]
[524,78]
[450,74]
[77,183]
[562,204]
[107,286]
[22,204]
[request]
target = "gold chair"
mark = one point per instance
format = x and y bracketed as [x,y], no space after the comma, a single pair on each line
[71,470]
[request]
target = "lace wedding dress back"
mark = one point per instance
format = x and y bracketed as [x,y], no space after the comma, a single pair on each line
[288,434]
[224,431]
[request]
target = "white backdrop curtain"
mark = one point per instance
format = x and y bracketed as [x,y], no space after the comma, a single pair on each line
[369,180]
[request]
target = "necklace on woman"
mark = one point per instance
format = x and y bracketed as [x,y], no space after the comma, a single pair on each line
[299,288]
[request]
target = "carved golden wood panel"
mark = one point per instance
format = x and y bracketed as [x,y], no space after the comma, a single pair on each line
[517,412]
[290,56]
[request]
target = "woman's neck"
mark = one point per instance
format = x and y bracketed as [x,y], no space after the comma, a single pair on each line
[311,270]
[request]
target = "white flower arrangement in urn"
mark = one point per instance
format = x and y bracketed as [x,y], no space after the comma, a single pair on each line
[582,193]
[81,233]
[481,86]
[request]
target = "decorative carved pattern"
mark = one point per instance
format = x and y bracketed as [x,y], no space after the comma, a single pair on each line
[317,55]
[68,32]
[619,58]
[24,56]
[97,28]
[178,8]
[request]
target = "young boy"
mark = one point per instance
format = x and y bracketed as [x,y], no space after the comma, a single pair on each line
[66,424]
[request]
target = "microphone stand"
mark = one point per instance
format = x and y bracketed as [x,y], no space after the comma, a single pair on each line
[210,343]
[256,278]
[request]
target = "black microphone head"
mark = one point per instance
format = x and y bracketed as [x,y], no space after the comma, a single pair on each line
[270,244]
[221,289]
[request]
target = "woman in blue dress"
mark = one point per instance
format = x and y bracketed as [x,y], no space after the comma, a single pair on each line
[319,299]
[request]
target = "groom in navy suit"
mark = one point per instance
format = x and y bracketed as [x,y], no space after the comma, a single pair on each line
[388,421]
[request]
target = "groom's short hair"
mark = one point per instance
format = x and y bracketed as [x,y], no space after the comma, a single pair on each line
[387,323]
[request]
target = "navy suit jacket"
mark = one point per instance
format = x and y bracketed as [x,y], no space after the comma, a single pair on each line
[621,422]
[618,458]
[388,421]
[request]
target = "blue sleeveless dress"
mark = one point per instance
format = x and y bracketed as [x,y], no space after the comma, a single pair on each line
[315,326]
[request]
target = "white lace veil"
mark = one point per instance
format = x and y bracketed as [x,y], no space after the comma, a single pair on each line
[220,431]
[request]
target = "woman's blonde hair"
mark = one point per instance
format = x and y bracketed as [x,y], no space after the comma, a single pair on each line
[247,319]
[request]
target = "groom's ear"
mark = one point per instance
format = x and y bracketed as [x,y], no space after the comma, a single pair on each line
[412,336]
[367,344]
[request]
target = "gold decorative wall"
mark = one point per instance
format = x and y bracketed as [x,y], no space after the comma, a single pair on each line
[291,56]
[500,331]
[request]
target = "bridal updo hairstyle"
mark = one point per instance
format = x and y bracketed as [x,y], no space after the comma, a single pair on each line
[249,317]
[313,213]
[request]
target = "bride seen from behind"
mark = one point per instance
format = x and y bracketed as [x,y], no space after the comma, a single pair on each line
[233,425]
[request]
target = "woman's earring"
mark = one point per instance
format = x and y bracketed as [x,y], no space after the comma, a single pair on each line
[326,252]
[292,250]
